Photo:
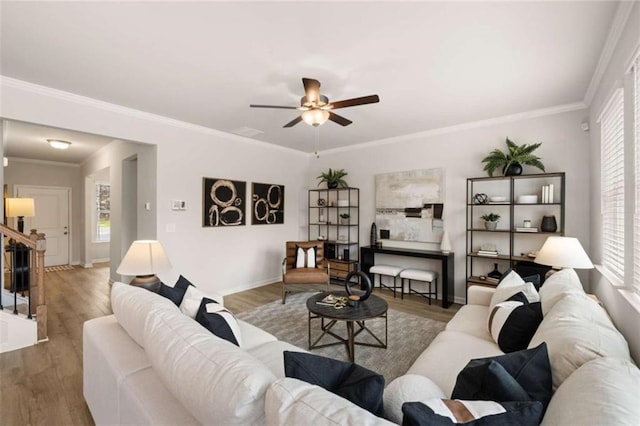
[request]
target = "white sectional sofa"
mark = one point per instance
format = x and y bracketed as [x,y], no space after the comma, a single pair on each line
[149,364]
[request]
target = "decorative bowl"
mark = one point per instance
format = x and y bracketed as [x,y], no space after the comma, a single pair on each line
[527,199]
[498,199]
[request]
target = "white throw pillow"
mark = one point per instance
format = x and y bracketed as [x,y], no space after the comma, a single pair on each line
[557,286]
[191,301]
[408,388]
[578,330]
[305,258]
[601,392]
[509,286]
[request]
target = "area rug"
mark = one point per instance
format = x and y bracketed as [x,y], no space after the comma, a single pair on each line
[59,268]
[408,334]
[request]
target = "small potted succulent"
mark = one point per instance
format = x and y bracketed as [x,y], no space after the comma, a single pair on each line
[490,221]
[333,178]
[344,218]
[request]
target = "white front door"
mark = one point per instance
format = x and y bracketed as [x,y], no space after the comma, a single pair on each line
[52,218]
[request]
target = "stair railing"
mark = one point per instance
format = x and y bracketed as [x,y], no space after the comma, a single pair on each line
[37,243]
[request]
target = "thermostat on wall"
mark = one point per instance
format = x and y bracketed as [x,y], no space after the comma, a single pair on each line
[178,205]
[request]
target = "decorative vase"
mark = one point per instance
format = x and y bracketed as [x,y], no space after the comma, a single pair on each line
[445,244]
[515,169]
[490,226]
[373,238]
[495,273]
[332,185]
[549,224]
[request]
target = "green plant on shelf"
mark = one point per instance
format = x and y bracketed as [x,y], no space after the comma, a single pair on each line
[345,215]
[334,178]
[490,217]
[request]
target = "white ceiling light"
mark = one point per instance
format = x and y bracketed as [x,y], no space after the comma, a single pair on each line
[315,117]
[58,144]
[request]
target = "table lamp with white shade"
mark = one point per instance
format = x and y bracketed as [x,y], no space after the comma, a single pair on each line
[20,208]
[563,252]
[143,259]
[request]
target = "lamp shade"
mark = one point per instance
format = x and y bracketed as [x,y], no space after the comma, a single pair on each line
[563,252]
[144,257]
[315,117]
[15,207]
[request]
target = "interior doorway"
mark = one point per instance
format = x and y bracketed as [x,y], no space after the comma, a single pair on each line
[52,217]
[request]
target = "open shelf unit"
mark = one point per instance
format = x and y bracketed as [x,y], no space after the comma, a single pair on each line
[513,246]
[341,238]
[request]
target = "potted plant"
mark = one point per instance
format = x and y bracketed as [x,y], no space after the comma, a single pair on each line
[333,178]
[513,160]
[344,218]
[490,220]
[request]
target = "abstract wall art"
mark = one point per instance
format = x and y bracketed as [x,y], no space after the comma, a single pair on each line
[267,204]
[223,202]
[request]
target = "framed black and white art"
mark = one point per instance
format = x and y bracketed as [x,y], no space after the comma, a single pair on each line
[223,202]
[267,204]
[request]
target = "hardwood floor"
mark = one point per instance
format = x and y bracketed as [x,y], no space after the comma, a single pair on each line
[42,384]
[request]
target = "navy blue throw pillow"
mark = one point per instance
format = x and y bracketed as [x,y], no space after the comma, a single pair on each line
[175,293]
[355,383]
[481,379]
[471,413]
[513,323]
[222,323]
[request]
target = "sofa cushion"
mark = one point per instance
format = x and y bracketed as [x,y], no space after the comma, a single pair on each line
[211,377]
[510,285]
[442,364]
[518,376]
[438,412]
[557,286]
[131,305]
[359,385]
[408,388]
[294,402]
[513,323]
[218,320]
[603,391]
[306,276]
[471,319]
[253,336]
[576,331]
[271,354]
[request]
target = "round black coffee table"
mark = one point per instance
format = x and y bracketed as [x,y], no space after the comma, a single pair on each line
[373,307]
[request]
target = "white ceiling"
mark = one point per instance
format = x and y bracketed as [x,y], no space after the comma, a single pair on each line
[433,64]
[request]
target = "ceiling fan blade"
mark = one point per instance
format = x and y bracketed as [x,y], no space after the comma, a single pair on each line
[272,106]
[311,89]
[372,99]
[293,122]
[339,119]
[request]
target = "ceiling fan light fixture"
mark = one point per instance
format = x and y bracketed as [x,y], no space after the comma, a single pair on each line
[315,117]
[58,144]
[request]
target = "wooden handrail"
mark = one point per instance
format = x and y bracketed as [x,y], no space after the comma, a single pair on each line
[38,245]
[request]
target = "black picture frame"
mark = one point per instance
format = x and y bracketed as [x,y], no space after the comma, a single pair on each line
[267,204]
[223,202]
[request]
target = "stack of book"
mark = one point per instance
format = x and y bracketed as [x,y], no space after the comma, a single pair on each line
[547,194]
[529,229]
[488,253]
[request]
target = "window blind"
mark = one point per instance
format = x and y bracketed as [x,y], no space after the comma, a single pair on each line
[636,138]
[612,176]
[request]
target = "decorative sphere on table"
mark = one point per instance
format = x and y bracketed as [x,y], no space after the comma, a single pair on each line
[480,198]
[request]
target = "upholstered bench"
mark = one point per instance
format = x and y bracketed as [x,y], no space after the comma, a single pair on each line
[428,277]
[387,270]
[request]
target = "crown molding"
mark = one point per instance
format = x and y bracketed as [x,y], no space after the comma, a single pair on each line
[559,109]
[615,32]
[45,162]
[134,113]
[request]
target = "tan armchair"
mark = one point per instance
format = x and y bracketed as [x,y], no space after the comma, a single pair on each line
[303,276]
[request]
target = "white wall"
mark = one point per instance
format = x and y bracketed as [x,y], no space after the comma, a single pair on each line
[220,259]
[623,306]
[25,172]
[564,148]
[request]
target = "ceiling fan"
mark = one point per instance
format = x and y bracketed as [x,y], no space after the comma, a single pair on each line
[316,107]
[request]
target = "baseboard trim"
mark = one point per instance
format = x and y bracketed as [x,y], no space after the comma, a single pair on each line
[250,286]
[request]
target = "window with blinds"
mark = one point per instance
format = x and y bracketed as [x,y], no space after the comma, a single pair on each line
[612,193]
[636,138]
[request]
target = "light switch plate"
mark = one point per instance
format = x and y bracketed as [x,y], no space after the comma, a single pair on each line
[178,205]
